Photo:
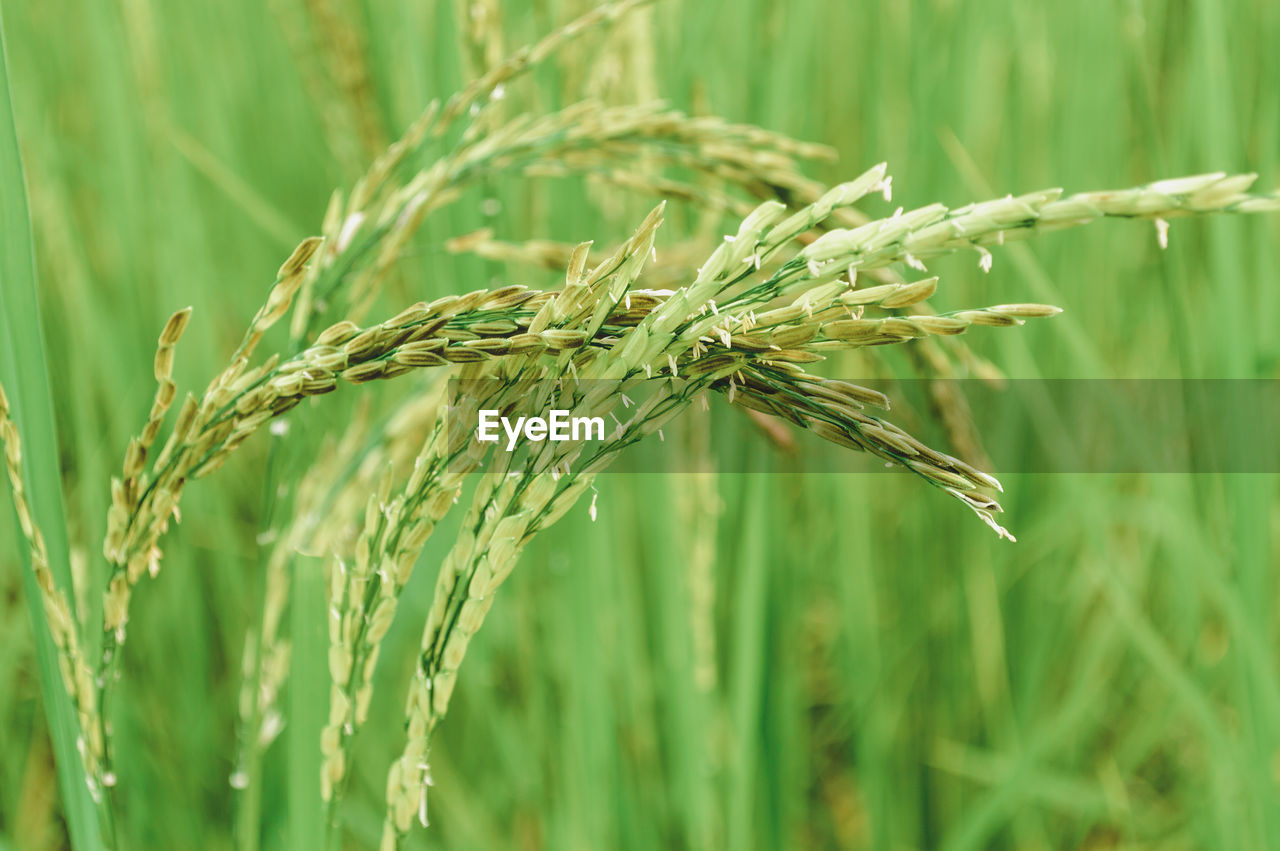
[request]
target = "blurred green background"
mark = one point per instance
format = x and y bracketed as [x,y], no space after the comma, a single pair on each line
[874,669]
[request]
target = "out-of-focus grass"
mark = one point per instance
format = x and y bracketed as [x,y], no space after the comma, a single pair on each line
[888,674]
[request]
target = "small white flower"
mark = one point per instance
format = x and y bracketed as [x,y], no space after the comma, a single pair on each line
[984,259]
[1162,233]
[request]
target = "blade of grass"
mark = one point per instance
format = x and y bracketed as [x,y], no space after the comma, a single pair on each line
[746,669]
[24,373]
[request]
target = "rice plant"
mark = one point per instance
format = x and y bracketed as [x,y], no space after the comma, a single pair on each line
[808,273]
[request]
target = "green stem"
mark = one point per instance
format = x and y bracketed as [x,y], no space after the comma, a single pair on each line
[249,761]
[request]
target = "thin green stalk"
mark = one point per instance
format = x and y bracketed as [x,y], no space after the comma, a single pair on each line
[308,677]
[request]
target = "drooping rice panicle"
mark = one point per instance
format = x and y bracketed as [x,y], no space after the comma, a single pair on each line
[489,324]
[77,674]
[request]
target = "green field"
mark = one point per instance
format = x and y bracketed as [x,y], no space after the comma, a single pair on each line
[715,660]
